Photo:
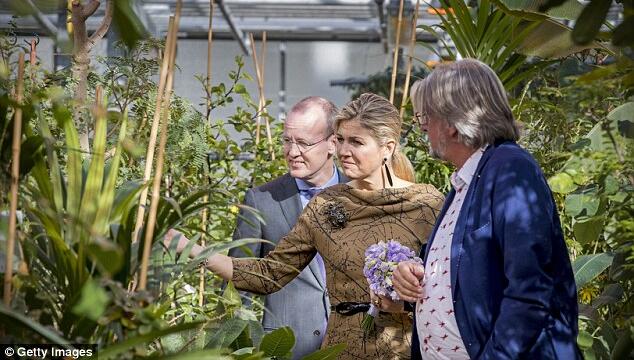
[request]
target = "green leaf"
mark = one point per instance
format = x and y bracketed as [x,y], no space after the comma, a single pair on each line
[278,343]
[610,295]
[240,89]
[231,296]
[582,204]
[560,9]
[211,354]
[127,23]
[256,332]
[93,301]
[588,230]
[107,255]
[227,333]
[622,35]
[584,340]
[624,112]
[624,345]
[551,40]
[626,129]
[46,333]
[329,353]
[588,267]
[113,351]
[562,183]
[590,21]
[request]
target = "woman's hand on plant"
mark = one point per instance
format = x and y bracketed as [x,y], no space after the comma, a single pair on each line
[220,264]
[175,234]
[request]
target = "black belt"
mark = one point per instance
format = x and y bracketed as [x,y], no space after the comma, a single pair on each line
[349,308]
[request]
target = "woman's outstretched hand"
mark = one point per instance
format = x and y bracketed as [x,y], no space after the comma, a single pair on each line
[179,236]
[406,280]
[219,264]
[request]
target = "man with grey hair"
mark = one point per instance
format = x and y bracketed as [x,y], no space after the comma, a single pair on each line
[309,148]
[496,281]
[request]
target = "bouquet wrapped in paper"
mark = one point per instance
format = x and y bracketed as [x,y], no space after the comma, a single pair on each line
[380,262]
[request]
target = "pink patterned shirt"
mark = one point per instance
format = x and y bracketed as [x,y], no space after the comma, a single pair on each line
[435,319]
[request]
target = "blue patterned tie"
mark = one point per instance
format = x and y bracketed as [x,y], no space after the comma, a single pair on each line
[310,192]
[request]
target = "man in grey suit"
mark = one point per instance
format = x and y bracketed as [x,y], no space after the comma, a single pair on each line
[309,148]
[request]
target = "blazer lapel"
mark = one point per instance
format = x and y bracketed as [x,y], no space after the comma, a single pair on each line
[291,204]
[292,208]
[464,221]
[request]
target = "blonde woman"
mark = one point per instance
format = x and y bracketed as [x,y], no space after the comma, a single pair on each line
[380,202]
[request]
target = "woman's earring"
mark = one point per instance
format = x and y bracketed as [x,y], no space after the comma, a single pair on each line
[387,172]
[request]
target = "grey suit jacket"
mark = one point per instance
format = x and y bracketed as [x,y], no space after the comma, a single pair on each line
[303,303]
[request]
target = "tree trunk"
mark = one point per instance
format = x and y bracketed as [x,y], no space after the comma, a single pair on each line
[82,46]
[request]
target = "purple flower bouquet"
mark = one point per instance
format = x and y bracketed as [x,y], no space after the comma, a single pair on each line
[380,262]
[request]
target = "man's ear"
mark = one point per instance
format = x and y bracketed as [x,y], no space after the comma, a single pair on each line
[453,132]
[332,145]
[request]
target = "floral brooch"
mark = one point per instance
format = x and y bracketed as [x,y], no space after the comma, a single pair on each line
[336,215]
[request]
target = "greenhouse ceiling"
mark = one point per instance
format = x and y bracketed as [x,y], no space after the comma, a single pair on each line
[281,19]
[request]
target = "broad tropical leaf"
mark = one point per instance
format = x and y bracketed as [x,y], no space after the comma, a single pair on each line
[330,353]
[278,342]
[588,267]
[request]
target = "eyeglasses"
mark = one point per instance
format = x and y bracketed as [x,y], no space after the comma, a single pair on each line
[302,145]
[421,118]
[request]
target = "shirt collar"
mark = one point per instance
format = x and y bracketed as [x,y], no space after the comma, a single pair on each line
[462,178]
[334,179]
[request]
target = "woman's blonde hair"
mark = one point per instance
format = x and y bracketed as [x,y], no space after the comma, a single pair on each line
[382,119]
[469,96]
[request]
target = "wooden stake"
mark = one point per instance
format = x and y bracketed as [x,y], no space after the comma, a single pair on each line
[259,72]
[396,50]
[33,58]
[412,42]
[260,89]
[160,157]
[263,100]
[15,175]
[149,156]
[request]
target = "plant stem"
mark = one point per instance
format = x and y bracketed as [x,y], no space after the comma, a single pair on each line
[396,51]
[15,174]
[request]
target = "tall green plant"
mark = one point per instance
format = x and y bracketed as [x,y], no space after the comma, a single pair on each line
[500,39]
[577,124]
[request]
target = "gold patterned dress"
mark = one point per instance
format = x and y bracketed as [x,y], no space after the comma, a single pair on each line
[340,224]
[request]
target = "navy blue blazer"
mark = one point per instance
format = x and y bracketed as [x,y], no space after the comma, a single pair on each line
[513,287]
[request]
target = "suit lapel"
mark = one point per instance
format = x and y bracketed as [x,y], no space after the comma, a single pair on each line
[291,204]
[464,221]
[292,209]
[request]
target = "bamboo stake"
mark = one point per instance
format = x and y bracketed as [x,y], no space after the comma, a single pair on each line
[201,285]
[160,157]
[263,100]
[15,174]
[259,71]
[149,157]
[396,50]
[259,79]
[412,42]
